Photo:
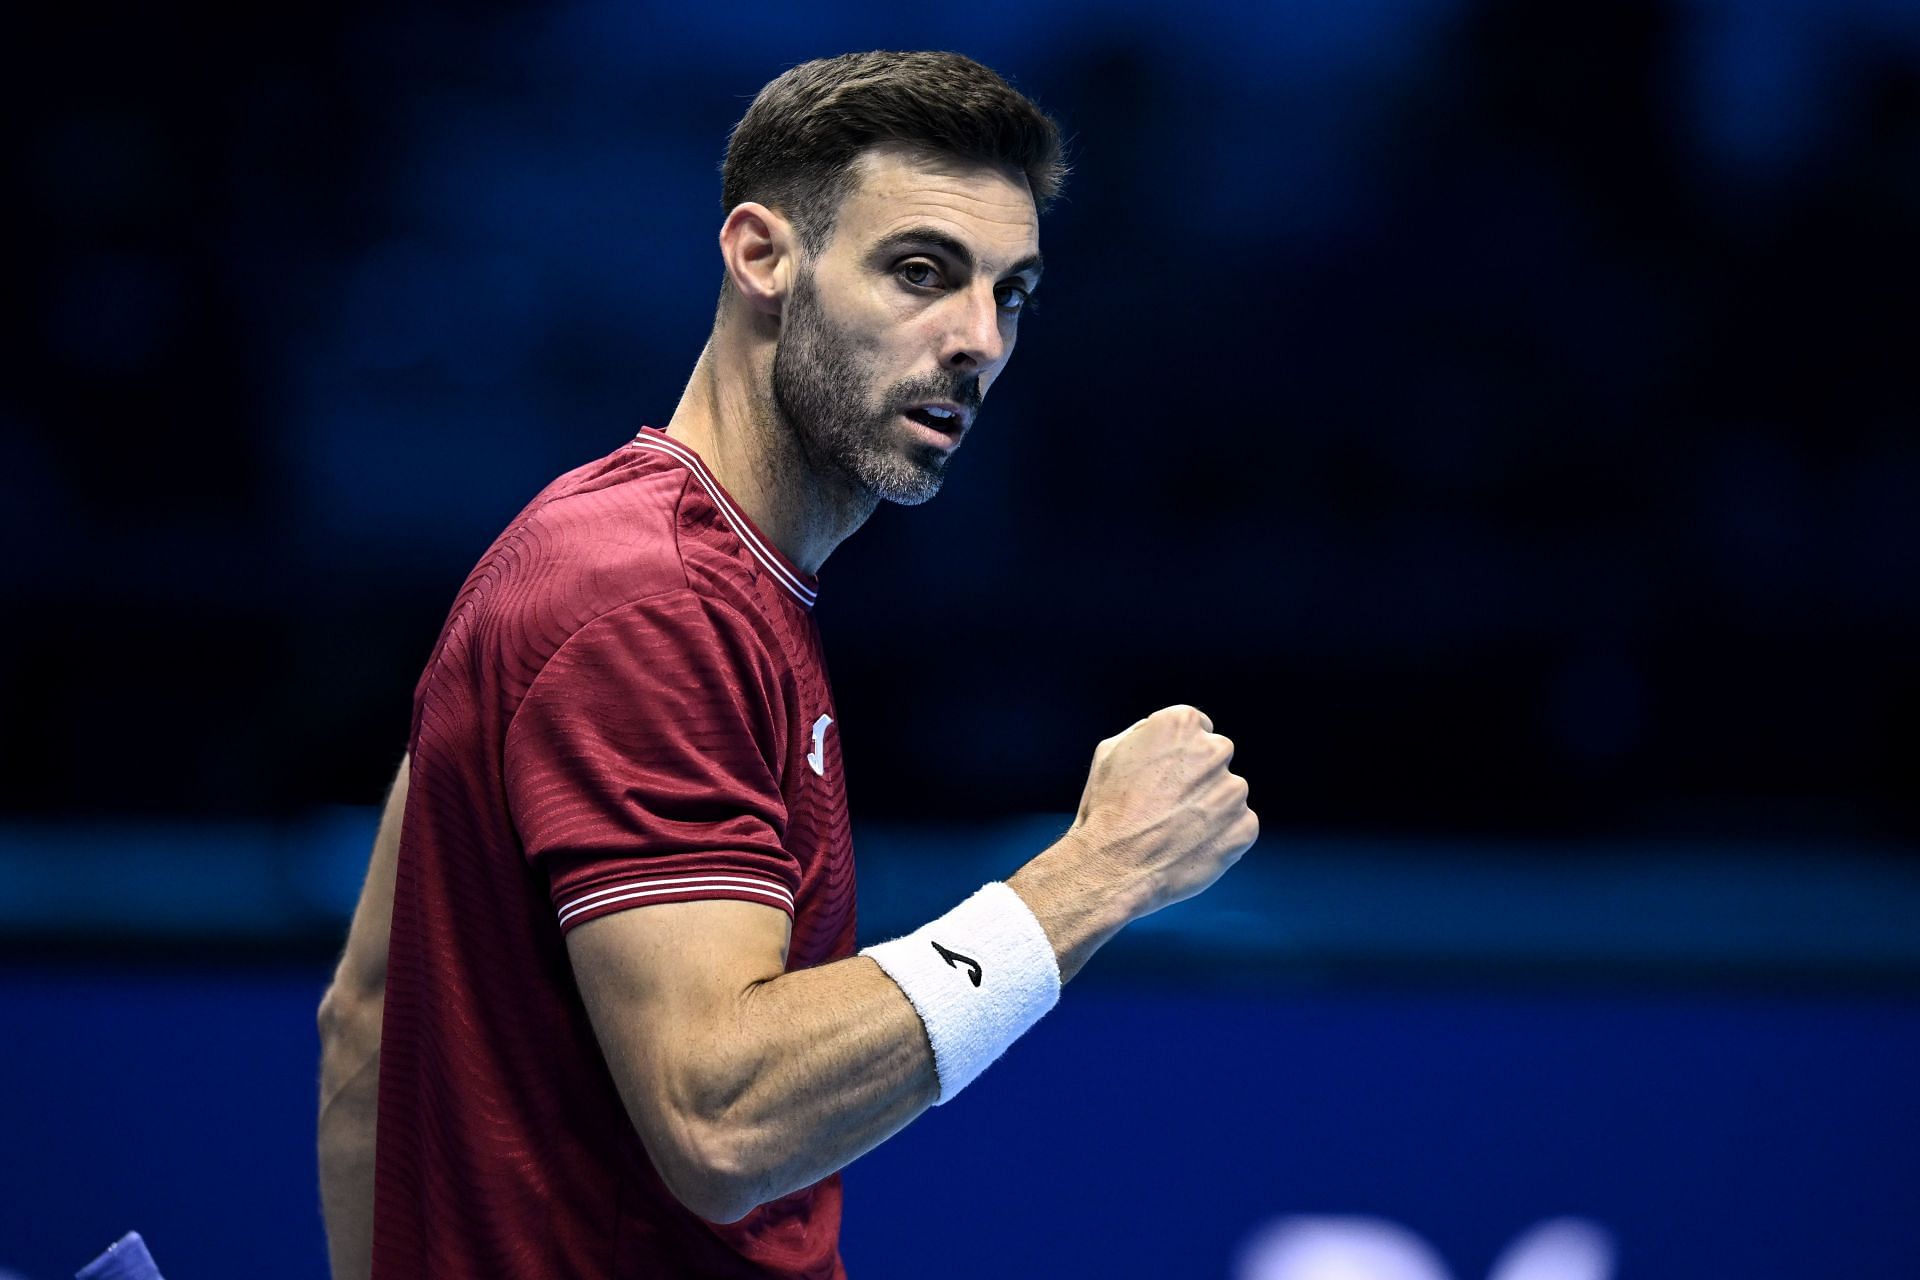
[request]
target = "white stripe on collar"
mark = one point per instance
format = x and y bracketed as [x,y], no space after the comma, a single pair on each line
[800,591]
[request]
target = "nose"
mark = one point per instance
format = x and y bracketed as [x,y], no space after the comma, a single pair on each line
[976,341]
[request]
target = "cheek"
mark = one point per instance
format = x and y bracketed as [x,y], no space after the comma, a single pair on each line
[993,375]
[872,337]
[896,354]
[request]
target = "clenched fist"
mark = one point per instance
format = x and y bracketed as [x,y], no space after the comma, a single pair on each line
[1163,808]
[1162,817]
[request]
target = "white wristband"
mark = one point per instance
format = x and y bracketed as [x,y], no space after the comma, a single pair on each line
[978,977]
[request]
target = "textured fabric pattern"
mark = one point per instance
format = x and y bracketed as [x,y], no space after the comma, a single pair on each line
[621,710]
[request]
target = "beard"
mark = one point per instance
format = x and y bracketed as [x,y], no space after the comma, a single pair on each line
[819,383]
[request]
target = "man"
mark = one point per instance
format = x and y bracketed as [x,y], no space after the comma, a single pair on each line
[624,1029]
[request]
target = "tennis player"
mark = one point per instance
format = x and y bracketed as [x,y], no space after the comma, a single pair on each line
[602,979]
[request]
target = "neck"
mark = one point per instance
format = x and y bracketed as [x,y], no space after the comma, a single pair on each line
[727,416]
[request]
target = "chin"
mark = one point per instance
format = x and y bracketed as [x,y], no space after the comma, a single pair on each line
[913,498]
[906,482]
[896,469]
[912,495]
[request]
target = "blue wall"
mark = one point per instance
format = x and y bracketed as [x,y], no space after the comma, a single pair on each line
[1138,1131]
[1704,1051]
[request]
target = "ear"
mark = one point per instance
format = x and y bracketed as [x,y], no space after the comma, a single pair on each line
[760,251]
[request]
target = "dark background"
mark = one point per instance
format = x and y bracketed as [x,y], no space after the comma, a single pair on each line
[1500,417]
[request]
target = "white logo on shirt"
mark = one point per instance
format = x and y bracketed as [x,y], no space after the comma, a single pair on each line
[817,757]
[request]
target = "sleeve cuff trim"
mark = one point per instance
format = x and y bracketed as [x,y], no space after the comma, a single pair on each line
[635,890]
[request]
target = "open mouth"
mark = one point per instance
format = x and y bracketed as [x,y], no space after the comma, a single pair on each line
[942,420]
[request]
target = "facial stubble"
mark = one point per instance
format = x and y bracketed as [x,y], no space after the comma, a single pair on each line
[818,385]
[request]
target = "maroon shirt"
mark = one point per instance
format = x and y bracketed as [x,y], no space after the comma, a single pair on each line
[628,705]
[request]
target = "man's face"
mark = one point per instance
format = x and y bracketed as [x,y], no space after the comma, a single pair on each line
[892,335]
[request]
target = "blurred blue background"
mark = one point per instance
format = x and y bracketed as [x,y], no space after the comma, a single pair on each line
[1500,417]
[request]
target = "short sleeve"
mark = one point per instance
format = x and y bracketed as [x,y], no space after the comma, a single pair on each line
[645,763]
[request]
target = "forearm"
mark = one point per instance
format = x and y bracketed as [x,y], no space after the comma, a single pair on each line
[1080,907]
[349,1106]
[824,1064]
[350,1015]
[830,1062]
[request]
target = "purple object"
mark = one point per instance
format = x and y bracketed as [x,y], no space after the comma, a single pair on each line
[125,1259]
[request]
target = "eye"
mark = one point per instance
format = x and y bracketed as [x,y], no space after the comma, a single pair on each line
[1014,299]
[918,273]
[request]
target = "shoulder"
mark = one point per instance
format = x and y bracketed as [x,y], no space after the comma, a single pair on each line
[683,635]
[599,536]
[642,521]
[675,676]
[633,555]
[597,539]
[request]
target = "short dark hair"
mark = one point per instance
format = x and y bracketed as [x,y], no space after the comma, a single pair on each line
[795,148]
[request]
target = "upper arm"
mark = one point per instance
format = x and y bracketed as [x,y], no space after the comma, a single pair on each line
[643,773]
[663,986]
[644,764]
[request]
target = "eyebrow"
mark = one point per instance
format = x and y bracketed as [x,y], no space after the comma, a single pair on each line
[1031,265]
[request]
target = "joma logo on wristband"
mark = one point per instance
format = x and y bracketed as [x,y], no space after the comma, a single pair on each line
[955,959]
